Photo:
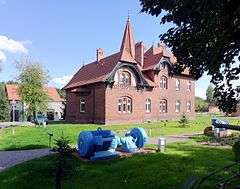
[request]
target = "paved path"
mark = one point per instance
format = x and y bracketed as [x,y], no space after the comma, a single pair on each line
[11,158]
[10,124]
[173,138]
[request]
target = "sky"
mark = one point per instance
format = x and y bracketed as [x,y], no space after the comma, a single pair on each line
[63,35]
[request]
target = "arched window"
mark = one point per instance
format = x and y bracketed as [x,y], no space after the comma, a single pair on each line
[82,105]
[163,65]
[163,106]
[189,106]
[177,84]
[163,82]
[124,105]
[125,78]
[177,106]
[189,85]
[148,105]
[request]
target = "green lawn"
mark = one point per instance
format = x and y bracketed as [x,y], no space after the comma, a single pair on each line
[37,137]
[168,170]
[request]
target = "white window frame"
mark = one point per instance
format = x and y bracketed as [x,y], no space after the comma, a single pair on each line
[82,102]
[125,78]
[163,103]
[177,84]
[189,86]
[177,106]
[189,106]
[148,105]
[125,105]
[163,82]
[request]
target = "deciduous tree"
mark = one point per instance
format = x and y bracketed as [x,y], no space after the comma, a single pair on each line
[205,37]
[32,79]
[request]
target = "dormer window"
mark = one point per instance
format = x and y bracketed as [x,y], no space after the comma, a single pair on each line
[125,78]
[163,82]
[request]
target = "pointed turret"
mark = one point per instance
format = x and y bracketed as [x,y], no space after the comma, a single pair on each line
[128,45]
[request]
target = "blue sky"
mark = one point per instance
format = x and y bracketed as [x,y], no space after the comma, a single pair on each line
[63,35]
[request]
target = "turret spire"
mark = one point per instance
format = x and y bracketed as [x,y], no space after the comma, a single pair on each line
[128,45]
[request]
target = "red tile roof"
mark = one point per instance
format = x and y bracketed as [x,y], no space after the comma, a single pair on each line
[12,93]
[94,72]
[98,71]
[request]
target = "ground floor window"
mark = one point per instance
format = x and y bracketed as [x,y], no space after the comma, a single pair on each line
[177,106]
[124,105]
[50,114]
[163,106]
[189,106]
[148,105]
[82,105]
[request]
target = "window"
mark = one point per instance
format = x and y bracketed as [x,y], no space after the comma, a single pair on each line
[163,106]
[189,106]
[177,106]
[189,86]
[125,78]
[148,105]
[124,105]
[177,84]
[163,65]
[163,82]
[82,105]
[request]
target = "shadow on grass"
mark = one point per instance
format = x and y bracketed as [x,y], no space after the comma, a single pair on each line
[160,170]
[27,147]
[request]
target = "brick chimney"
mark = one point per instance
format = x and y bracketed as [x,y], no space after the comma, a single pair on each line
[100,54]
[139,53]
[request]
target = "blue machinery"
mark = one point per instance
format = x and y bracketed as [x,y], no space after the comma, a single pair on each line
[101,144]
[224,125]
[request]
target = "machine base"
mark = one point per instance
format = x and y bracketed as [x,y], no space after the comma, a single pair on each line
[109,154]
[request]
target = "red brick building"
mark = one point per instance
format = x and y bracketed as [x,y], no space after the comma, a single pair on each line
[132,85]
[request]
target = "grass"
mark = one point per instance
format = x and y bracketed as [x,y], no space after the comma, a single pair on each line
[17,138]
[160,170]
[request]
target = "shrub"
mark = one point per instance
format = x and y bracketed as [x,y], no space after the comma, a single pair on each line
[236,150]
[183,122]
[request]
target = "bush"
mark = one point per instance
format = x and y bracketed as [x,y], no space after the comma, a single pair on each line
[183,122]
[236,150]
[201,105]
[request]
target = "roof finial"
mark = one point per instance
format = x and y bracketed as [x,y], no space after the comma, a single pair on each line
[128,19]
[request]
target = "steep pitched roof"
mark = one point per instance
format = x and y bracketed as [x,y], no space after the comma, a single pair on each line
[98,71]
[94,72]
[128,45]
[12,93]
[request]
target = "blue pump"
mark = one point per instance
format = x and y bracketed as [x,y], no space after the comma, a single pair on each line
[102,144]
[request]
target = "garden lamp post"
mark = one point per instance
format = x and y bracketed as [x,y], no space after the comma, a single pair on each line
[162,144]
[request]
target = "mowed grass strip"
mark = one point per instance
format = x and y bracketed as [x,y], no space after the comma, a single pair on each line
[160,170]
[17,138]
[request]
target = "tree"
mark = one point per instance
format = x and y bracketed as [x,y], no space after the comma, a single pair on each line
[200,105]
[211,99]
[4,105]
[205,37]
[32,79]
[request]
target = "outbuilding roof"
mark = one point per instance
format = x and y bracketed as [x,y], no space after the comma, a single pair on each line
[13,94]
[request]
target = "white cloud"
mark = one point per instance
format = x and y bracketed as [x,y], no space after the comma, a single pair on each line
[3,57]
[12,46]
[62,80]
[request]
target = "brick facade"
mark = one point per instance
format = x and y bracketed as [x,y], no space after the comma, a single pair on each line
[114,89]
